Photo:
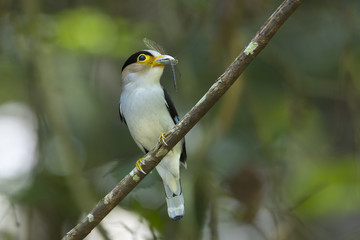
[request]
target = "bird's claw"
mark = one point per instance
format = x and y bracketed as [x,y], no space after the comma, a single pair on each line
[162,138]
[138,165]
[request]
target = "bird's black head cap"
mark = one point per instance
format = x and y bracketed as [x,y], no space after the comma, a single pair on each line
[133,58]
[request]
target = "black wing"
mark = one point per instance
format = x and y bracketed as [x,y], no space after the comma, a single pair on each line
[121,116]
[174,115]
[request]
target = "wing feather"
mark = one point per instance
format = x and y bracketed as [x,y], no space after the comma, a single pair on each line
[122,118]
[175,117]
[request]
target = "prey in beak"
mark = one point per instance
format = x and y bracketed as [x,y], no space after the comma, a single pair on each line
[168,60]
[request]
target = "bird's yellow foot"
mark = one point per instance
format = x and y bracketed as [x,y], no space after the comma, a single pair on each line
[162,138]
[138,165]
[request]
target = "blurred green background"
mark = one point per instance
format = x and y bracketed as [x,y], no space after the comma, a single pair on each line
[277,157]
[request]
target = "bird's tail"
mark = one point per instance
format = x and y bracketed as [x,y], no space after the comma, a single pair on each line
[175,202]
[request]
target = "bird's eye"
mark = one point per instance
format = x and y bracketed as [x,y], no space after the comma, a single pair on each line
[142,58]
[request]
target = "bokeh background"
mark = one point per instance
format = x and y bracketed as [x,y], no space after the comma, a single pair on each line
[278,157]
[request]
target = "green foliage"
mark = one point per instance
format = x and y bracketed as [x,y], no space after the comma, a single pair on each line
[92,31]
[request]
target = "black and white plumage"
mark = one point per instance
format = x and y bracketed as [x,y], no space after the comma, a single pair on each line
[148,111]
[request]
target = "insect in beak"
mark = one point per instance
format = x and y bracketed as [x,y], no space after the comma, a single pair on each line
[168,60]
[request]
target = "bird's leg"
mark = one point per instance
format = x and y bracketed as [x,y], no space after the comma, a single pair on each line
[138,165]
[162,138]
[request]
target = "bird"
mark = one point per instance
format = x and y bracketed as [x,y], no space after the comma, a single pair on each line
[148,111]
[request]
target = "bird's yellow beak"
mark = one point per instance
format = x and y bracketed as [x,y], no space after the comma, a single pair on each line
[164,60]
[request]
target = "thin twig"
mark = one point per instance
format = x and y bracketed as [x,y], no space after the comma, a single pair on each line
[223,83]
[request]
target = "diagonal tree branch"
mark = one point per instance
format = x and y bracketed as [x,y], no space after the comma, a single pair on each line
[223,83]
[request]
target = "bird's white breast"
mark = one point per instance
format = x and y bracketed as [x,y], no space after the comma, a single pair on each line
[145,113]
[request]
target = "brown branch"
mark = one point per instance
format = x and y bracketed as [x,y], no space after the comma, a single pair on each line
[223,83]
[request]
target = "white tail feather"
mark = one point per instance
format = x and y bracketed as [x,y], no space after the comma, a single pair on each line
[175,203]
